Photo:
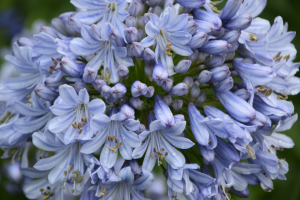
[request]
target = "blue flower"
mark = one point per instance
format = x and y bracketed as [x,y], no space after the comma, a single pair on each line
[167,33]
[115,133]
[74,113]
[98,41]
[162,137]
[102,11]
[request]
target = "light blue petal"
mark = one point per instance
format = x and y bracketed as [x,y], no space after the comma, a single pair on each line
[130,137]
[147,41]
[68,94]
[99,121]
[176,129]
[24,109]
[143,182]
[59,124]
[157,125]
[131,124]
[89,35]
[62,109]
[80,47]
[151,29]
[91,16]
[179,142]
[126,175]
[34,173]
[149,162]
[95,144]
[174,157]
[22,82]
[57,173]
[83,96]
[108,157]
[25,126]
[32,189]
[139,151]
[96,106]
[51,162]
[180,37]
[41,142]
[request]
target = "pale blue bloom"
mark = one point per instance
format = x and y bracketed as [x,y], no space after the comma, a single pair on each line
[74,113]
[162,137]
[115,133]
[167,33]
[96,40]
[102,12]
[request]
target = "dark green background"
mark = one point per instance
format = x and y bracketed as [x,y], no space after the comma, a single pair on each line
[288,9]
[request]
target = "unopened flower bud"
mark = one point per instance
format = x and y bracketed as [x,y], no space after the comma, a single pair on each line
[195,92]
[116,39]
[89,74]
[198,40]
[138,88]
[215,61]
[179,90]
[219,74]
[123,70]
[167,99]
[224,85]
[177,104]
[200,99]
[136,103]
[150,92]
[135,8]
[131,34]
[74,69]
[46,93]
[188,81]
[240,22]
[75,24]
[141,35]
[159,74]
[204,76]
[98,84]
[230,9]
[216,47]
[148,54]
[80,85]
[130,21]
[183,66]
[167,84]
[118,91]
[105,91]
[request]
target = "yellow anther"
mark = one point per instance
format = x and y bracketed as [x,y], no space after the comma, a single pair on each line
[159,162]
[163,149]
[161,157]
[72,191]
[46,197]
[69,169]
[168,49]
[152,156]
[40,152]
[117,146]
[80,131]
[65,172]
[42,190]
[62,187]
[166,154]
[80,179]
[121,143]
[112,149]
[250,152]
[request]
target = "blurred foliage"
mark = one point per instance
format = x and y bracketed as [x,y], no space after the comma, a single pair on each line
[31,10]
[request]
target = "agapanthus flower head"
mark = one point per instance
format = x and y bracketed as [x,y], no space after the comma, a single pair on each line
[118,84]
